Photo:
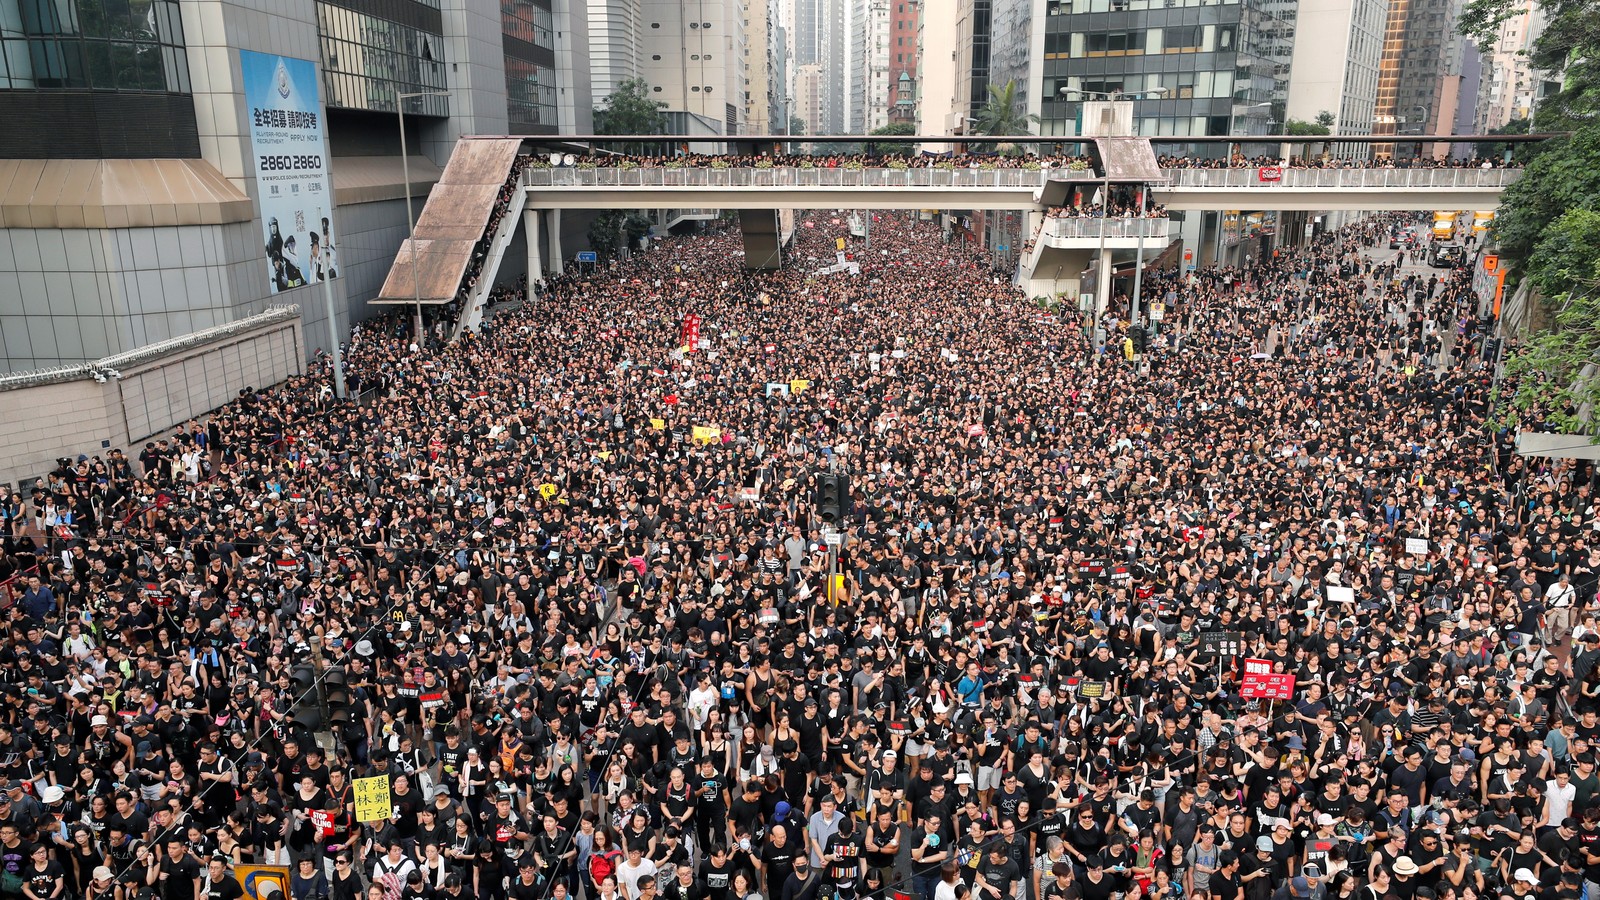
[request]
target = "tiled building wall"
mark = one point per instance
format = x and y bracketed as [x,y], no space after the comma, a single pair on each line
[70,295]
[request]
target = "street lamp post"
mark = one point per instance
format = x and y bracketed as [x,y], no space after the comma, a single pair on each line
[1103,264]
[411,219]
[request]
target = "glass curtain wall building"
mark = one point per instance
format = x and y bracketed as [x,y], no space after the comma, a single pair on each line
[527,36]
[367,61]
[1223,66]
[90,79]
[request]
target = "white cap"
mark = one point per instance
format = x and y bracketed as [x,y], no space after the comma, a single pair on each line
[1325,819]
[963,778]
[98,721]
[1525,876]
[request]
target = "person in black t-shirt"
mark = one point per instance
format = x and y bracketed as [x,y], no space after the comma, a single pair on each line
[175,875]
[882,844]
[43,878]
[719,870]
[777,855]
[1224,883]
[997,875]
[219,885]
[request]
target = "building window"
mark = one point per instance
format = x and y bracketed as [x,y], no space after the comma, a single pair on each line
[524,21]
[79,44]
[1181,38]
[1116,43]
[530,94]
[367,61]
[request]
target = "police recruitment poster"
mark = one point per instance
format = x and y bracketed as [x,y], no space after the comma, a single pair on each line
[286,137]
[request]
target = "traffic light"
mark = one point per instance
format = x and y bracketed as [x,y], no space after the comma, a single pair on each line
[336,694]
[1491,350]
[307,710]
[833,496]
[1141,339]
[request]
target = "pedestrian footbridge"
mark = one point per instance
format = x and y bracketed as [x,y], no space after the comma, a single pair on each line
[455,227]
[1018,189]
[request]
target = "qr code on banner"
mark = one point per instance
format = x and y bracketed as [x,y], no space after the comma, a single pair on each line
[299,220]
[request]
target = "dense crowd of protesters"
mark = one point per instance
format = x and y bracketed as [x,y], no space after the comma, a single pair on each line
[1005,160]
[1240,161]
[574,570]
[497,213]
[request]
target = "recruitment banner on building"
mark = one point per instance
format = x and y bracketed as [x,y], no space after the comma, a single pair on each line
[284,112]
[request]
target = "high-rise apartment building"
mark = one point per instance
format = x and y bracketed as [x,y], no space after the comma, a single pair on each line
[1337,49]
[821,39]
[1016,53]
[1508,87]
[870,54]
[808,97]
[1419,75]
[137,210]
[780,89]
[904,25]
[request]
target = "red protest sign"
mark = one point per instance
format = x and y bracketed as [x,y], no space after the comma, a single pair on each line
[1261,683]
[1269,173]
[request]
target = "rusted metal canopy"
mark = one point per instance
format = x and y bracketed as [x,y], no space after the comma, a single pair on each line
[427,272]
[429,266]
[1129,159]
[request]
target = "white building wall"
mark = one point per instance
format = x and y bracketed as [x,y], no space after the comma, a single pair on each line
[758,66]
[574,96]
[615,44]
[1337,47]
[693,56]
[936,78]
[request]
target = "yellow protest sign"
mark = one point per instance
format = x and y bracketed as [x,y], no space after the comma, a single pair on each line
[372,798]
[797,385]
[548,490]
[839,242]
[705,434]
[658,424]
[605,455]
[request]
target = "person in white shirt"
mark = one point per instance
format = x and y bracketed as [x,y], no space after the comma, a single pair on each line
[1558,600]
[629,873]
[1558,796]
[702,700]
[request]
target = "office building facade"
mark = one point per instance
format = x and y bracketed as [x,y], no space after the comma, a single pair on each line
[1223,67]
[1420,76]
[1339,77]
[134,208]
[974,24]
